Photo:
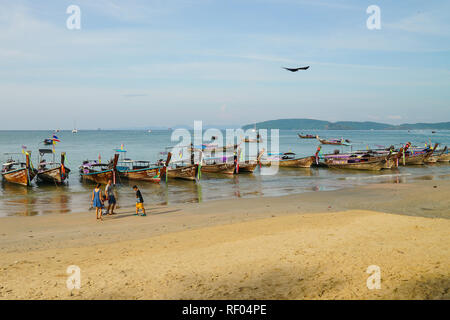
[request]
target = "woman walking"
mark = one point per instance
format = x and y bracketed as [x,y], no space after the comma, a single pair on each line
[97,201]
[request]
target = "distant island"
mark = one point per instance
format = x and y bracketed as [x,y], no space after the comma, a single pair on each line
[311,124]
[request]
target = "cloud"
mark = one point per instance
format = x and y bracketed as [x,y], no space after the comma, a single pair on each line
[135,95]
[318,3]
[422,23]
[394,117]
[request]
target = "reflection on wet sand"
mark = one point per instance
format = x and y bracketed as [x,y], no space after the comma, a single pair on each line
[18,200]
[29,202]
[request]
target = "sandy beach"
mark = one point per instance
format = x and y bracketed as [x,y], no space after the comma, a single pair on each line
[314,245]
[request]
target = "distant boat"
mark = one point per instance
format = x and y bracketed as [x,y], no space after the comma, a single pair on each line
[149,131]
[339,142]
[307,136]
[75,130]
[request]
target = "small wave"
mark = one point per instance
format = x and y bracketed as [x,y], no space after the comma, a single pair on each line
[378,176]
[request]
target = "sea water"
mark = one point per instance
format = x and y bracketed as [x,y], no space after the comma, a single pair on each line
[142,145]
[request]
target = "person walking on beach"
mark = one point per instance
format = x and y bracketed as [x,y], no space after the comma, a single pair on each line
[97,201]
[139,201]
[109,193]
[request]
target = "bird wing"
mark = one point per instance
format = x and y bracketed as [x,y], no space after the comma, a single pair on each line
[296,69]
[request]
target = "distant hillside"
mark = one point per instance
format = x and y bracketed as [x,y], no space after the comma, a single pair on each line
[311,124]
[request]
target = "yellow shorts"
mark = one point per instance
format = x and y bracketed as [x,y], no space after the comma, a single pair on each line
[139,206]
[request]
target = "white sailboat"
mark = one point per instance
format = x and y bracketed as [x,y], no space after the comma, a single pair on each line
[75,130]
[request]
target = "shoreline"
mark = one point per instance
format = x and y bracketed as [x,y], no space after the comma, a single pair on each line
[252,248]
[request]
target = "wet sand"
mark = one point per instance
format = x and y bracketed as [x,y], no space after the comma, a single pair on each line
[309,246]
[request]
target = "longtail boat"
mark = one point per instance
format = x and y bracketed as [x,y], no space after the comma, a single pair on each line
[223,168]
[288,159]
[338,142]
[436,155]
[372,164]
[19,172]
[415,156]
[217,164]
[97,172]
[249,166]
[414,159]
[307,136]
[444,155]
[184,172]
[432,159]
[140,170]
[389,155]
[52,172]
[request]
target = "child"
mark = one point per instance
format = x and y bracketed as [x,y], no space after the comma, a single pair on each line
[139,201]
[104,210]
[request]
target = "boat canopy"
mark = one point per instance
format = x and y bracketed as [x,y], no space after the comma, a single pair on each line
[45,151]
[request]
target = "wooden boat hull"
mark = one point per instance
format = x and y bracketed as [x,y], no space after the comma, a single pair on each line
[417,159]
[22,176]
[223,168]
[184,173]
[252,140]
[247,167]
[390,163]
[291,163]
[53,175]
[306,137]
[149,174]
[444,157]
[432,159]
[99,177]
[370,166]
[330,142]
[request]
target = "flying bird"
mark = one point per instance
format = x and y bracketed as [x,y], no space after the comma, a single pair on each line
[296,69]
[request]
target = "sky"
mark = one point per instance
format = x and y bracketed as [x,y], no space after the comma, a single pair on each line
[166,63]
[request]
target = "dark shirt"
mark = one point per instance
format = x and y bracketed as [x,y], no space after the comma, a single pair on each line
[139,198]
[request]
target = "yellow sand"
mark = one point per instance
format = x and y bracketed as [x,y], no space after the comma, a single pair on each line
[262,248]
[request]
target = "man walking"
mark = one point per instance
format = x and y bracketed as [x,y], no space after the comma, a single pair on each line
[109,193]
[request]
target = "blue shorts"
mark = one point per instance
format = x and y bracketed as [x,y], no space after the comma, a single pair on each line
[111,200]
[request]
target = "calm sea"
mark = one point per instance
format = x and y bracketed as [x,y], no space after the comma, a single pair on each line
[141,145]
